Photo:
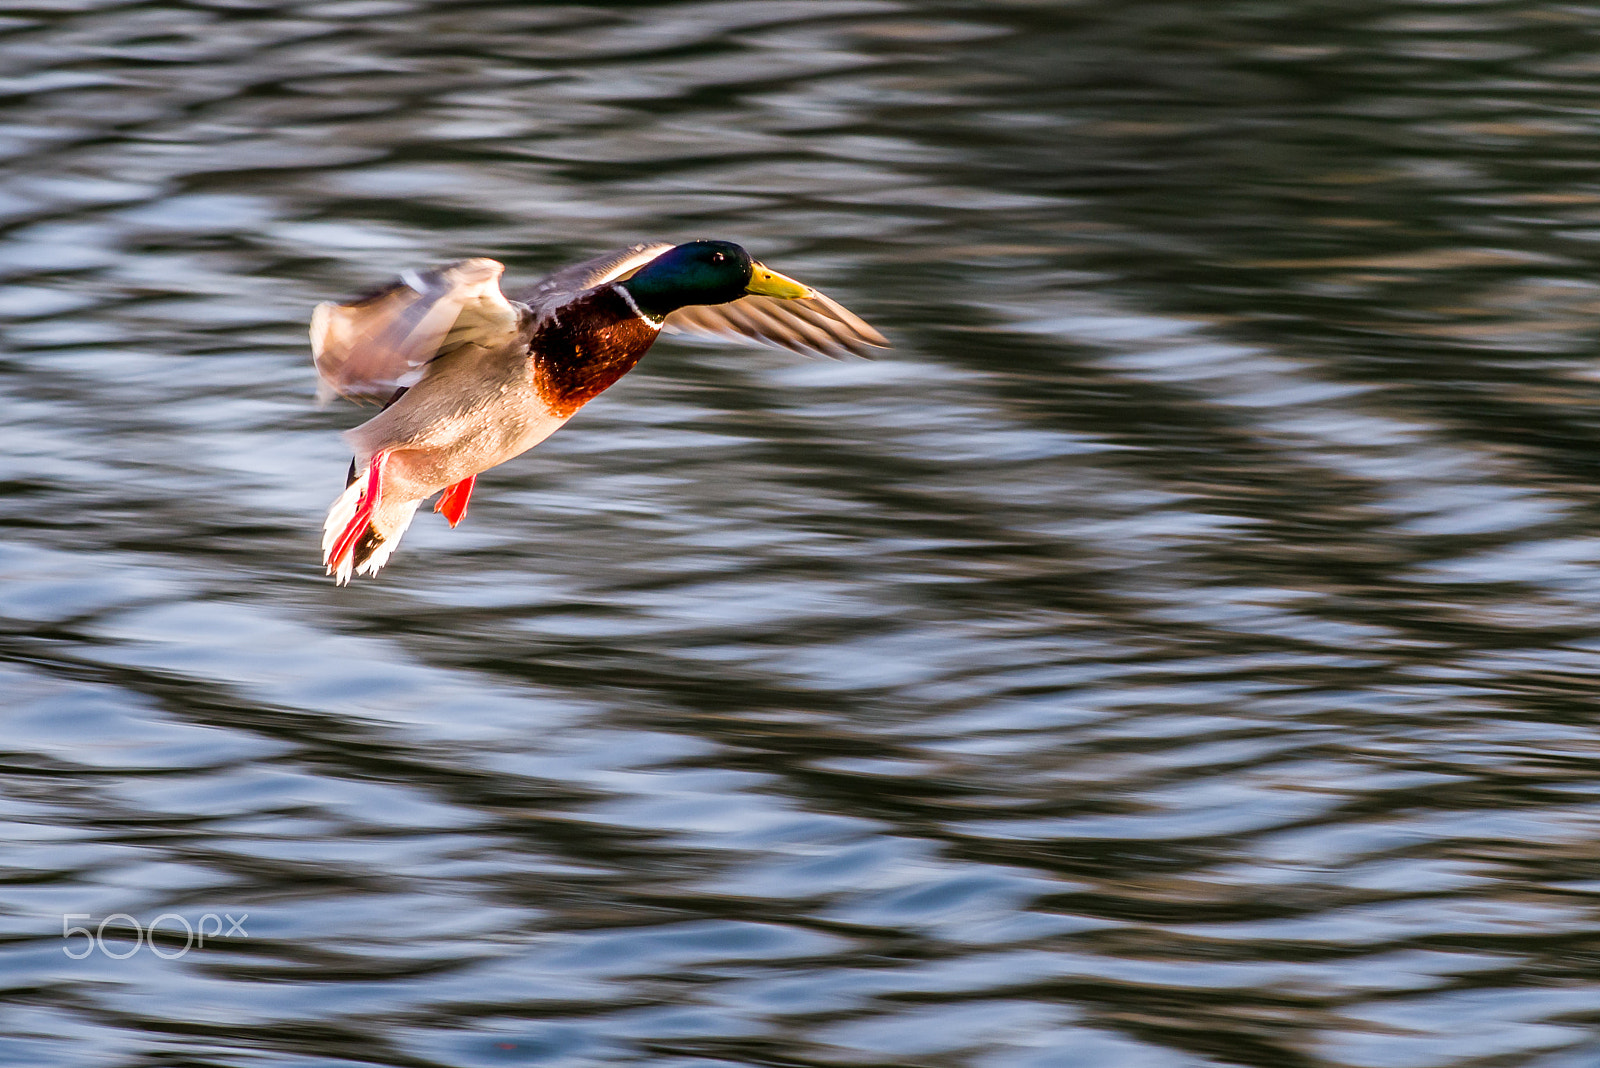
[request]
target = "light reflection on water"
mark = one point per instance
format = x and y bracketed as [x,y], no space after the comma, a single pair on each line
[1177,651]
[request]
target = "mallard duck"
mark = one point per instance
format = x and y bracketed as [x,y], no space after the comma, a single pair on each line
[469,378]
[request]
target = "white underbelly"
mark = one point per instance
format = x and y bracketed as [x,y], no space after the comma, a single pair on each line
[449,449]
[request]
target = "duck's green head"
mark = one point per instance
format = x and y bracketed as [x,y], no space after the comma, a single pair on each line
[705,272]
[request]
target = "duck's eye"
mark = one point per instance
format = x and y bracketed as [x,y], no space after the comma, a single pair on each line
[717,257]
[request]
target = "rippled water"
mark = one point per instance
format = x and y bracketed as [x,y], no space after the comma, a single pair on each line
[1178,651]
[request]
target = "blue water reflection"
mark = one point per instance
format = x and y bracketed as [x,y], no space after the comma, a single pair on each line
[1177,651]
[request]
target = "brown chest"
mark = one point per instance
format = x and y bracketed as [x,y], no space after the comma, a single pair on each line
[580,352]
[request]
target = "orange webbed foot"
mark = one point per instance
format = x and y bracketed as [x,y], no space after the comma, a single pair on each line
[364,509]
[452,503]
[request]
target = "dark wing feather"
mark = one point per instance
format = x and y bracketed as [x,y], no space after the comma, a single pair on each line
[370,347]
[562,286]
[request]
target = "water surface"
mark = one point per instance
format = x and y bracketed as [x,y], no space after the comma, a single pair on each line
[1179,651]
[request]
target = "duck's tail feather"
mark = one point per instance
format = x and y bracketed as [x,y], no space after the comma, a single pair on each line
[352,541]
[374,549]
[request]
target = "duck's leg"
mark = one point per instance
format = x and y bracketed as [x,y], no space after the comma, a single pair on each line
[365,505]
[452,502]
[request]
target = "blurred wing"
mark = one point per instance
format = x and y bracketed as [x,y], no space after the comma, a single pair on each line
[816,324]
[370,347]
[565,284]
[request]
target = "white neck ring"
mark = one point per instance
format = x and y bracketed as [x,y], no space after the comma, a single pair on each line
[635,306]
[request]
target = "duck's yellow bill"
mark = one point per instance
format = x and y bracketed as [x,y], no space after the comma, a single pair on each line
[769,283]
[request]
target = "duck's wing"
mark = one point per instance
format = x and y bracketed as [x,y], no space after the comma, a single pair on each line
[370,347]
[561,287]
[816,324]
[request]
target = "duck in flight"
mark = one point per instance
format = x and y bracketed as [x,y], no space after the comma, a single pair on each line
[469,378]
